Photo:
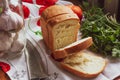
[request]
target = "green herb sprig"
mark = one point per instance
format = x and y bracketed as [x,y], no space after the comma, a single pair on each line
[38,32]
[1,10]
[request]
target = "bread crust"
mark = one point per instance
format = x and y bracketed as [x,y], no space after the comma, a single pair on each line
[79,47]
[55,10]
[44,31]
[59,55]
[72,49]
[50,39]
[56,20]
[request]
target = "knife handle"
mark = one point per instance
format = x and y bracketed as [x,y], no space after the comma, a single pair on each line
[3,75]
[49,77]
[43,78]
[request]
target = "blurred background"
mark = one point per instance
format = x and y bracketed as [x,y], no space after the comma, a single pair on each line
[109,6]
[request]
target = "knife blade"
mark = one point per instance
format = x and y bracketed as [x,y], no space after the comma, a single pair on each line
[36,70]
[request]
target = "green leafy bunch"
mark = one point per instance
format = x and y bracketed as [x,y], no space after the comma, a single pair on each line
[104,29]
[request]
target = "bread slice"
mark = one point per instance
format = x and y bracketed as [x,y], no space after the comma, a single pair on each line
[72,48]
[84,65]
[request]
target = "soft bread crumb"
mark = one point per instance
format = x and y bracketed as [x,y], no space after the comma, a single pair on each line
[84,63]
[65,33]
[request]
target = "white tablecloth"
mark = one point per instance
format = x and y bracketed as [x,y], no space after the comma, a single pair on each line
[18,65]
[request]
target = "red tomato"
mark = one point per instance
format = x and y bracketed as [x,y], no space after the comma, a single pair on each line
[38,22]
[50,2]
[29,1]
[40,2]
[77,10]
[46,2]
[42,9]
[5,67]
[26,11]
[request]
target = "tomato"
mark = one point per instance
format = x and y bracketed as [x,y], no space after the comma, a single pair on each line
[42,9]
[46,2]
[50,2]
[26,11]
[38,22]
[4,66]
[77,10]
[29,1]
[40,2]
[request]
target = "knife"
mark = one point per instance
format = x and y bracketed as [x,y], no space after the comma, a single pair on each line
[35,65]
[3,75]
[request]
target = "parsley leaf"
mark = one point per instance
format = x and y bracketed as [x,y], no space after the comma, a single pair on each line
[1,9]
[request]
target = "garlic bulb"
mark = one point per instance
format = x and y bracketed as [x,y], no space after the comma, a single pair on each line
[6,41]
[9,21]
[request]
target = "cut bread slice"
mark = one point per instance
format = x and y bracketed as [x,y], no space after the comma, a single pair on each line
[84,65]
[72,48]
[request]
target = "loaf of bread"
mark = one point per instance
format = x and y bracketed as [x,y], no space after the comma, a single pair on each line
[84,65]
[60,26]
[72,48]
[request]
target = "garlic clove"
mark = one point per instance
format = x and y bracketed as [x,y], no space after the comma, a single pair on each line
[5,40]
